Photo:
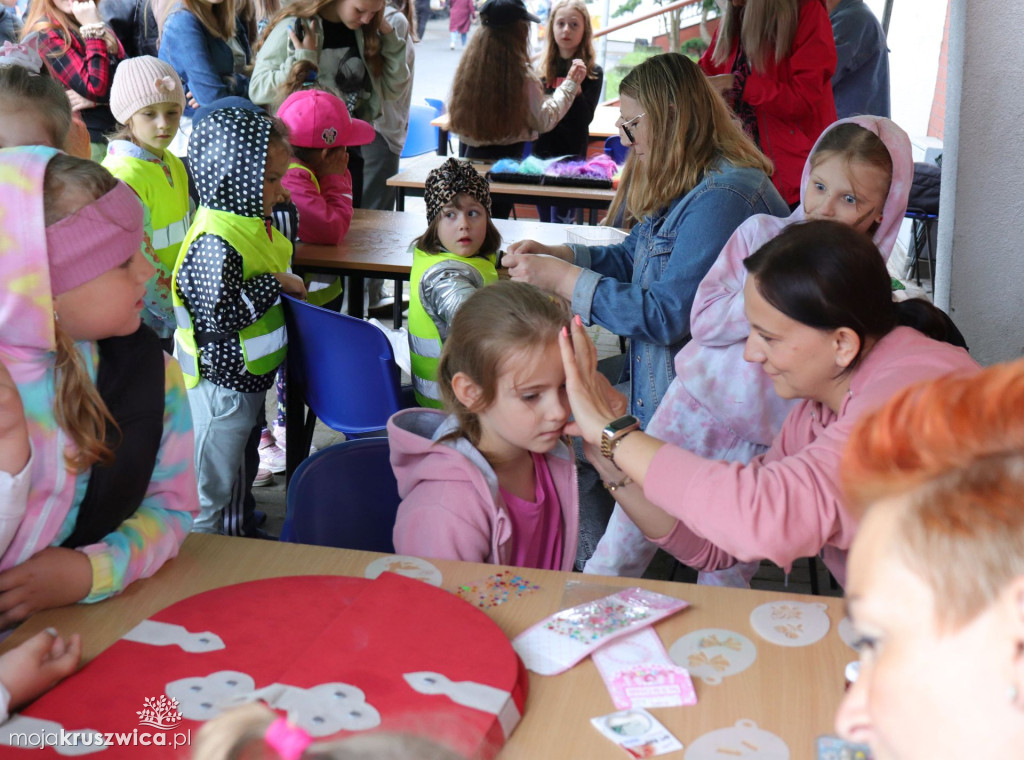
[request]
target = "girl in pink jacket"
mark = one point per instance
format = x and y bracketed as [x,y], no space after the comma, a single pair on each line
[492,480]
[720,406]
[826,331]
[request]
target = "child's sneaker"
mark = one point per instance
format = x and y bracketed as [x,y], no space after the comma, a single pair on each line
[264,477]
[273,458]
[279,439]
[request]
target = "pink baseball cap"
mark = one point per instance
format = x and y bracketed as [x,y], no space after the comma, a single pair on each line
[318,119]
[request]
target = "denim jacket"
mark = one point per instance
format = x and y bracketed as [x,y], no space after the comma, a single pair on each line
[643,288]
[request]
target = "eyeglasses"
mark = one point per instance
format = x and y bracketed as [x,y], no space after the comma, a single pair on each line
[625,126]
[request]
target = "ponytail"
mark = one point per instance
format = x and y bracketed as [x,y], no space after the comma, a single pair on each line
[930,320]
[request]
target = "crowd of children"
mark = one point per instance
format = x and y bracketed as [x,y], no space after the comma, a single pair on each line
[111,451]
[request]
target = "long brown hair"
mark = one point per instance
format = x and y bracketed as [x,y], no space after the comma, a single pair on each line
[79,409]
[689,128]
[218,20]
[765,28]
[307,9]
[585,52]
[489,101]
[498,321]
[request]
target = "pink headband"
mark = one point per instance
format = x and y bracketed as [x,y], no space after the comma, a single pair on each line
[94,239]
[287,740]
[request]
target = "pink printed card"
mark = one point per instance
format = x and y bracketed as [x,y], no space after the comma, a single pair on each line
[639,673]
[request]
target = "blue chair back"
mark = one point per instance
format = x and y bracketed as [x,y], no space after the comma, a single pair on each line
[344,496]
[344,366]
[614,148]
[422,138]
[437,105]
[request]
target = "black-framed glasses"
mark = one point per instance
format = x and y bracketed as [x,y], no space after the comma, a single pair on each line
[625,126]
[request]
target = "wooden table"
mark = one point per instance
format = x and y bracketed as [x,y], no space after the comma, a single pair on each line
[378,245]
[792,692]
[410,181]
[602,126]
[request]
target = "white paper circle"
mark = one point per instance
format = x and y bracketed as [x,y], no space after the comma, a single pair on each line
[411,567]
[846,632]
[791,624]
[711,654]
[744,739]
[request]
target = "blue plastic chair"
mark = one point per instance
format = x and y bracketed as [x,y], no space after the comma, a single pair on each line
[437,105]
[344,496]
[343,369]
[422,138]
[614,148]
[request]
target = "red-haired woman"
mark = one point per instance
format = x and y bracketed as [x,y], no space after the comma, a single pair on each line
[936,583]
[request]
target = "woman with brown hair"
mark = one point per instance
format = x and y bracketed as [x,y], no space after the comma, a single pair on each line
[936,584]
[773,61]
[497,103]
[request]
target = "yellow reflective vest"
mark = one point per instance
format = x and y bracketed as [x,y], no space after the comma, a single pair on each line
[424,338]
[264,342]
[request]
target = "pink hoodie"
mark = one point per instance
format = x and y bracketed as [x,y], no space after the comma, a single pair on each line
[787,503]
[451,507]
[711,366]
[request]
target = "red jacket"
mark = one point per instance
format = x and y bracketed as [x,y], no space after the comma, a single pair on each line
[792,99]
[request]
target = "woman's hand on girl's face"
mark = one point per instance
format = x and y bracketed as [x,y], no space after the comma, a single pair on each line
[593,400]
[14,445]
[52,578]
[546,272]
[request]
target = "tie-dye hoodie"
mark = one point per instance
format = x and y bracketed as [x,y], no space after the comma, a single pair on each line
[711,367]
[39,506]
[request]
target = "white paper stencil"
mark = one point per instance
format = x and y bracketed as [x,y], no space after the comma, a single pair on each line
[711,654]
[479,696]
[847,633]
[410,567]
[744,739]
[321,710]
[158,634]
[33,732]
[791,624]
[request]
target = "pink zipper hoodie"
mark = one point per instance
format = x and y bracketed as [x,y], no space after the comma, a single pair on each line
[451,507]
[711,366]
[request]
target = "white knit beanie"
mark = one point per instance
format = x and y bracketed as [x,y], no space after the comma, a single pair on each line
[143,81]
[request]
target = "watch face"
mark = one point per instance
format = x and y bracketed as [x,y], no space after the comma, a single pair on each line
[622,423]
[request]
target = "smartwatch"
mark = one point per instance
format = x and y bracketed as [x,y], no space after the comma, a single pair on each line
[615,431]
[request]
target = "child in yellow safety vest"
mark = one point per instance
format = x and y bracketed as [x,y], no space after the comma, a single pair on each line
[454,258]
[230,273]
[147,98]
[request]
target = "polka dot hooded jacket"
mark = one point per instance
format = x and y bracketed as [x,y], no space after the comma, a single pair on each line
[228,152]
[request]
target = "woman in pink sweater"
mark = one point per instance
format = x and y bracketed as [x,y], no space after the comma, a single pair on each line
[825,329]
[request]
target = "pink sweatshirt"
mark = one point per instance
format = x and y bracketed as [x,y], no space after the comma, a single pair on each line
[451,507]
[711,367]
[786,503]
[324,203]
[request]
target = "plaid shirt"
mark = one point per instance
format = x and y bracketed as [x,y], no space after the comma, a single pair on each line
[87,66]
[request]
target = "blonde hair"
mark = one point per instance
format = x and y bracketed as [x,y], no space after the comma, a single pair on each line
[585,52]
[489,100]
[764,28]
[241,733]
[955,450]
[79,409]
[689,128]
[19,87]
[306,9]
[497,322]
